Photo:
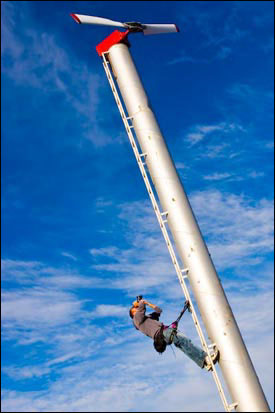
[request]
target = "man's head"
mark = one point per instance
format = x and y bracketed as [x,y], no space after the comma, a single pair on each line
[133,309]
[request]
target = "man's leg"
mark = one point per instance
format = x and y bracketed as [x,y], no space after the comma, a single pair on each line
[186,345]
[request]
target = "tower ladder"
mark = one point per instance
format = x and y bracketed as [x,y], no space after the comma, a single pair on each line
[181,272]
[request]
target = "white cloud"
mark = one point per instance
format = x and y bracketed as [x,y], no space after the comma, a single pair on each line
[200,132]
[28,272]
[36,59]
[18,267]
[193,138]
[18,373]
[220,31]
[132,375]
[230,177]
[255,174]
[185,58]
[238,230]
[239,233]
[214,151]
[68,255]
[107,251]
[181,165]
[258,101]
[101,204]
[121,370]
[210,128]
[216,176]
[111,365]
[103,310]
[38,307]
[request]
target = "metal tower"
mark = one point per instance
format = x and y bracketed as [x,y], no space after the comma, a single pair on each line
[172,207]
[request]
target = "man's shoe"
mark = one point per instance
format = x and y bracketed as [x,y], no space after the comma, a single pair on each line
[214,358]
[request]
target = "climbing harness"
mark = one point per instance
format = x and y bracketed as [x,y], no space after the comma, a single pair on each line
[174,325]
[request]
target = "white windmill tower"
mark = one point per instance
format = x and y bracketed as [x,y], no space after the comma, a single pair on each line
[172,207]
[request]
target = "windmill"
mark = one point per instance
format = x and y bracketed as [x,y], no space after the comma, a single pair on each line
[173,209]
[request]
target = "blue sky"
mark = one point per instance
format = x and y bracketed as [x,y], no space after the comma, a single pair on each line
[79,237]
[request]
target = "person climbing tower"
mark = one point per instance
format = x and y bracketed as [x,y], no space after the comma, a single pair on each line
[165,335]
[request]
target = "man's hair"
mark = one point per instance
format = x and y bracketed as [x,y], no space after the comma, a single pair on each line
[160,343]
[130,312]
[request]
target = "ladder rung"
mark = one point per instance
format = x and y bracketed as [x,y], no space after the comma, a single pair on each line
[232,406]
[185,270]
[164,213]
[164,220]
[130,117]
[212,345]
[130,127]
[143,154]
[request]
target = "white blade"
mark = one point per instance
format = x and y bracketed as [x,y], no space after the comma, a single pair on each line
[81,18]
[160,28]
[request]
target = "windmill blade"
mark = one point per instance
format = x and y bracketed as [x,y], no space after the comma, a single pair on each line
[82,18]
[131,26]
[160,28]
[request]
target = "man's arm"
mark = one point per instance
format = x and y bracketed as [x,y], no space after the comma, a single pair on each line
[155,307]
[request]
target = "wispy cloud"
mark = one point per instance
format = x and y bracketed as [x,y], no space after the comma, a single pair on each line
[184,58]
[200,132]
[68,255]
[29,272]
[239,232]
[260,101]
[216,176]
[131,379]
[237,229]
[38,306]
[105,252]
[222,53]
[223,30]
[37,59]
[220,29]
[103,310]
[255,174]
[102,203]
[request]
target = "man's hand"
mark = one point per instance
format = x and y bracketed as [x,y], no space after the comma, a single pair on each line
[150,305]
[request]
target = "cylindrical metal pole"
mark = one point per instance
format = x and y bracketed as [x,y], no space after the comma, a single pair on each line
[237,369]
